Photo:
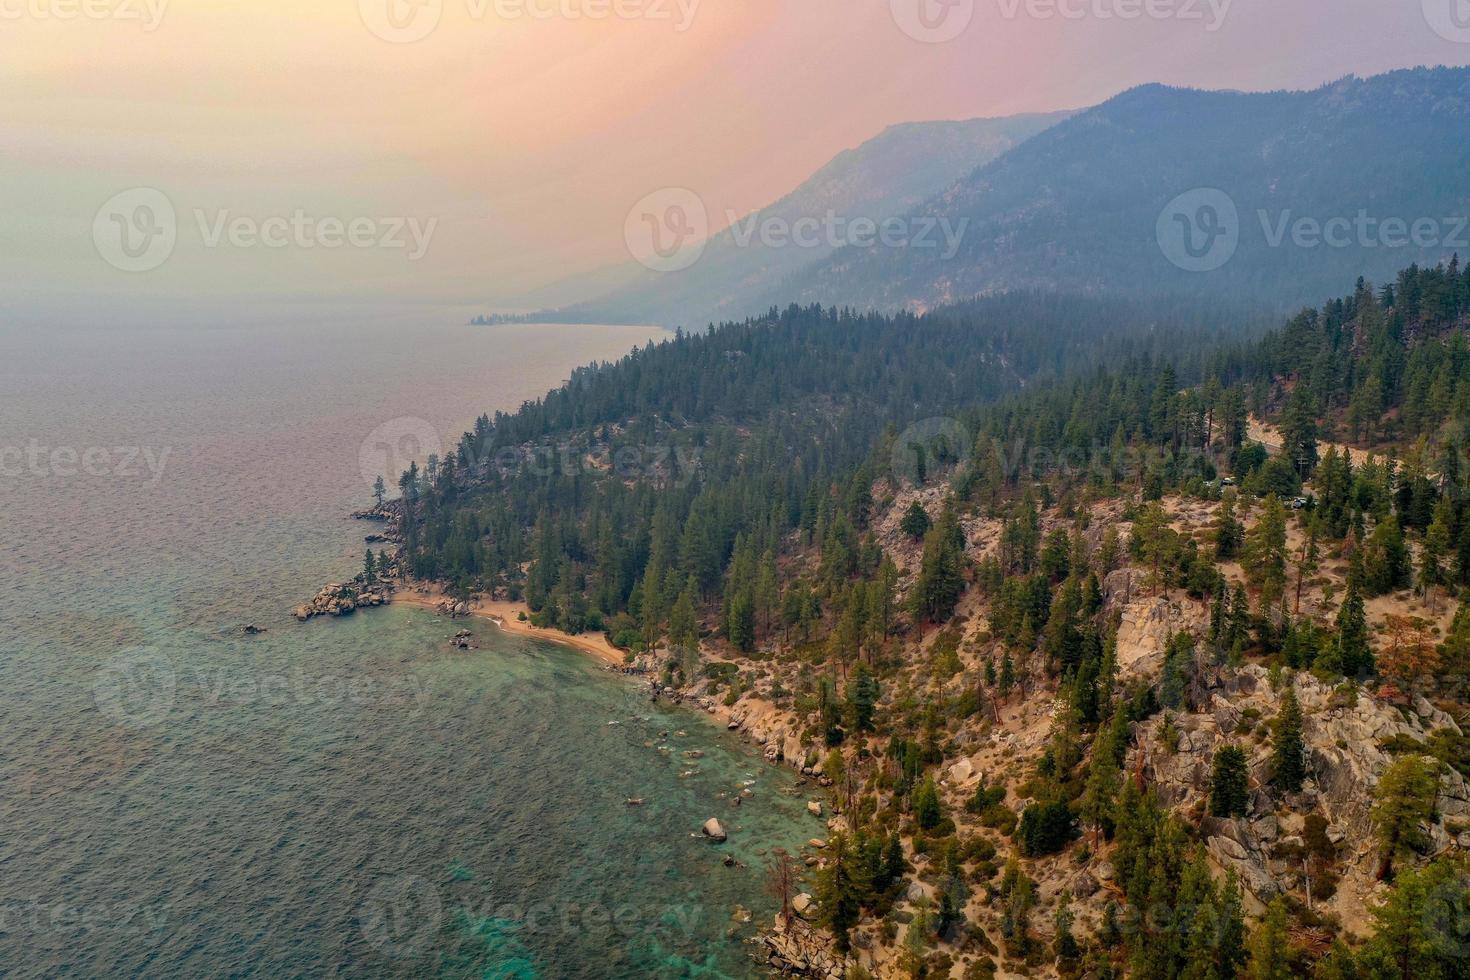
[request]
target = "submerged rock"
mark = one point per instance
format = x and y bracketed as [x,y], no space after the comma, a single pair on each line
[714,830]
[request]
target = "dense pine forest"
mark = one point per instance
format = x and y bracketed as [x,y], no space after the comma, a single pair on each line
[641,475]
[1081,526]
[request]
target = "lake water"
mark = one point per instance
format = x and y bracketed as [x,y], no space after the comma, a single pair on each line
[345,797]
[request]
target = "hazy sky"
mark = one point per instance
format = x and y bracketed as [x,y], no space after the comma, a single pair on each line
[474,149]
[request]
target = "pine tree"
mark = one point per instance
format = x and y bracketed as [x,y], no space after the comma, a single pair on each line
[742,621]
[941,575]
[1436,547]
[1065,944]
[915,521]
[1420,926]
[927,812]
[1306,564]
[1288,752]
[683,622]
[1350,653]
[1229,790]
[767,591]
[1265,554]
[1385,558]
[1228,532]
[862,697]
[1404,799]
[840,891]
[1153,535]
[1270,957]
[894,865]
[1299,432]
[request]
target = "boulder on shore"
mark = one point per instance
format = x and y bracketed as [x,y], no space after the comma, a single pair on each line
[714,830]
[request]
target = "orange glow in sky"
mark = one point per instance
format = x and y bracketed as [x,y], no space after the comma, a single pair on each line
[525,129]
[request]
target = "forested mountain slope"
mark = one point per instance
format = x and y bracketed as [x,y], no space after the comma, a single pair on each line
[1092,683]
[1078,207]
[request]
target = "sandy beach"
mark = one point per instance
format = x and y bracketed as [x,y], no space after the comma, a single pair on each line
[506,615]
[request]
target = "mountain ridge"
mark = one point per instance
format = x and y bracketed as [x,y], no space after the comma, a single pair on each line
[1077,206]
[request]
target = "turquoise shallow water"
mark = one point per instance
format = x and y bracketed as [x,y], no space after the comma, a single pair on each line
[341,798]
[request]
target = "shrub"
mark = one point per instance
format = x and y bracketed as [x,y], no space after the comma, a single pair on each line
[1045,828]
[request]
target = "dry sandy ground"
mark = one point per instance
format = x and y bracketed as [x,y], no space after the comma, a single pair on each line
[506,615]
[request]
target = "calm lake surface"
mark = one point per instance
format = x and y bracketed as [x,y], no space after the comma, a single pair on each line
[341,798]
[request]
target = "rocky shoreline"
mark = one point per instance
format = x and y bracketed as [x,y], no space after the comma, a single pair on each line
[344,598]
[796,948]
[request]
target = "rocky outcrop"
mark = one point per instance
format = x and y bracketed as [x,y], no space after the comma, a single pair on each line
[1344,728]
[453,608]
[714,830]
[342,600]
[1147,624]
[798,950]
